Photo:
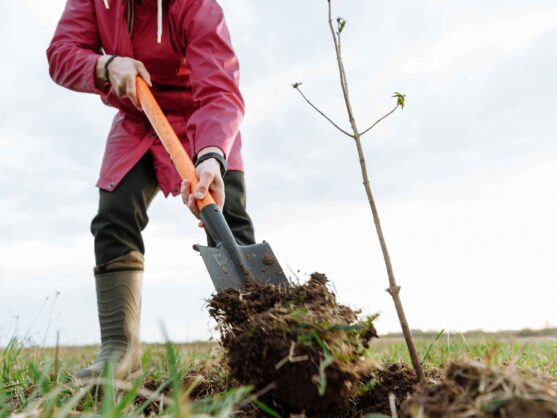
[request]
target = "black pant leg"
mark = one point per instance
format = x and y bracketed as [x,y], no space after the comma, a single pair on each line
[122,214]
[234,210]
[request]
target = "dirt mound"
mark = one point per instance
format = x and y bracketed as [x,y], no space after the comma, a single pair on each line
[302,351]
[295,343]
[373,393]
[475,390]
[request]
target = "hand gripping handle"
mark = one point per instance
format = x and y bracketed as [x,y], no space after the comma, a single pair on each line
[170,141]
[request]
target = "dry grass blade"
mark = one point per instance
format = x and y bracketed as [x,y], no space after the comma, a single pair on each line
[291,357]
[34,413]
[392,405]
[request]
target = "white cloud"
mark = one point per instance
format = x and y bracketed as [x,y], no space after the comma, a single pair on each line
[462,176]
[475,41]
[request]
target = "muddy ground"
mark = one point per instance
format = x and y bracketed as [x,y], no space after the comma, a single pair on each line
[303,353]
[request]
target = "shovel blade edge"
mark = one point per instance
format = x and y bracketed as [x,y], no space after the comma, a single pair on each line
[258,259]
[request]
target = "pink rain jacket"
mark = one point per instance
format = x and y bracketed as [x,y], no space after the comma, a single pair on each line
[194,71]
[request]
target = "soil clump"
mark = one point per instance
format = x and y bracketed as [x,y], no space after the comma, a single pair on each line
[373,393]
[295,344]
[476,390]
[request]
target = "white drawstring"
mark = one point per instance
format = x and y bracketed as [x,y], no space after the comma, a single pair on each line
[159,21]
[106,4]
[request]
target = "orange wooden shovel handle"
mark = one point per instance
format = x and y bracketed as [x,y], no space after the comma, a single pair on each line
[170,141]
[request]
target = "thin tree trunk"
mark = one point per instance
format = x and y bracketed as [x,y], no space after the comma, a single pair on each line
[394,289]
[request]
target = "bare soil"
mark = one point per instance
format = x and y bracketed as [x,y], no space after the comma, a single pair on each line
[295,343]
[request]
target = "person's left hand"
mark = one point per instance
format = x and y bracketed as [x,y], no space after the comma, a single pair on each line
[210,179]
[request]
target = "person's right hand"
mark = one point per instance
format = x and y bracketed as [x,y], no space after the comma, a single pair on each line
[122,72]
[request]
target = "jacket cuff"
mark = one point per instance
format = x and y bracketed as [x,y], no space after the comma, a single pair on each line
[201,144]
[92,65]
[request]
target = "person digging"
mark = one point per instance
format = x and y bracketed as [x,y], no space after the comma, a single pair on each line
[182,49]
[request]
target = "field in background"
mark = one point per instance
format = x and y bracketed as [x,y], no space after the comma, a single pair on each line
[39,381]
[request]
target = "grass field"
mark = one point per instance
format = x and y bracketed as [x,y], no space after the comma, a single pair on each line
[189,379]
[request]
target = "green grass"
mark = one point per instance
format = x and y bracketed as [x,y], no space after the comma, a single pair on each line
[539,355]
[32,380]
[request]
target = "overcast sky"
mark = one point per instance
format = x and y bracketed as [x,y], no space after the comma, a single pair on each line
[464,176]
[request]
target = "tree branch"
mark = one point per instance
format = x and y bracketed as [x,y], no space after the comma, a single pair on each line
[394,289]
[342,73]
[297,87]
[379,120]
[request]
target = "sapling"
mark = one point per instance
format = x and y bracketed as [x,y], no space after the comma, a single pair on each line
[356,135]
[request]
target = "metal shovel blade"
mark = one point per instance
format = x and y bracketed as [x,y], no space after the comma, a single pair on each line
[257,262]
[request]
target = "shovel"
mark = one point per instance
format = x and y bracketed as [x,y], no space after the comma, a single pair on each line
[229,264]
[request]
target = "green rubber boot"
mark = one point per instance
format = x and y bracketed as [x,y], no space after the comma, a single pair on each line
[119,306]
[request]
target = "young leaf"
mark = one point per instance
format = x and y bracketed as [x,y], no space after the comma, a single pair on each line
[341,24]
[400,98]
[437,337]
